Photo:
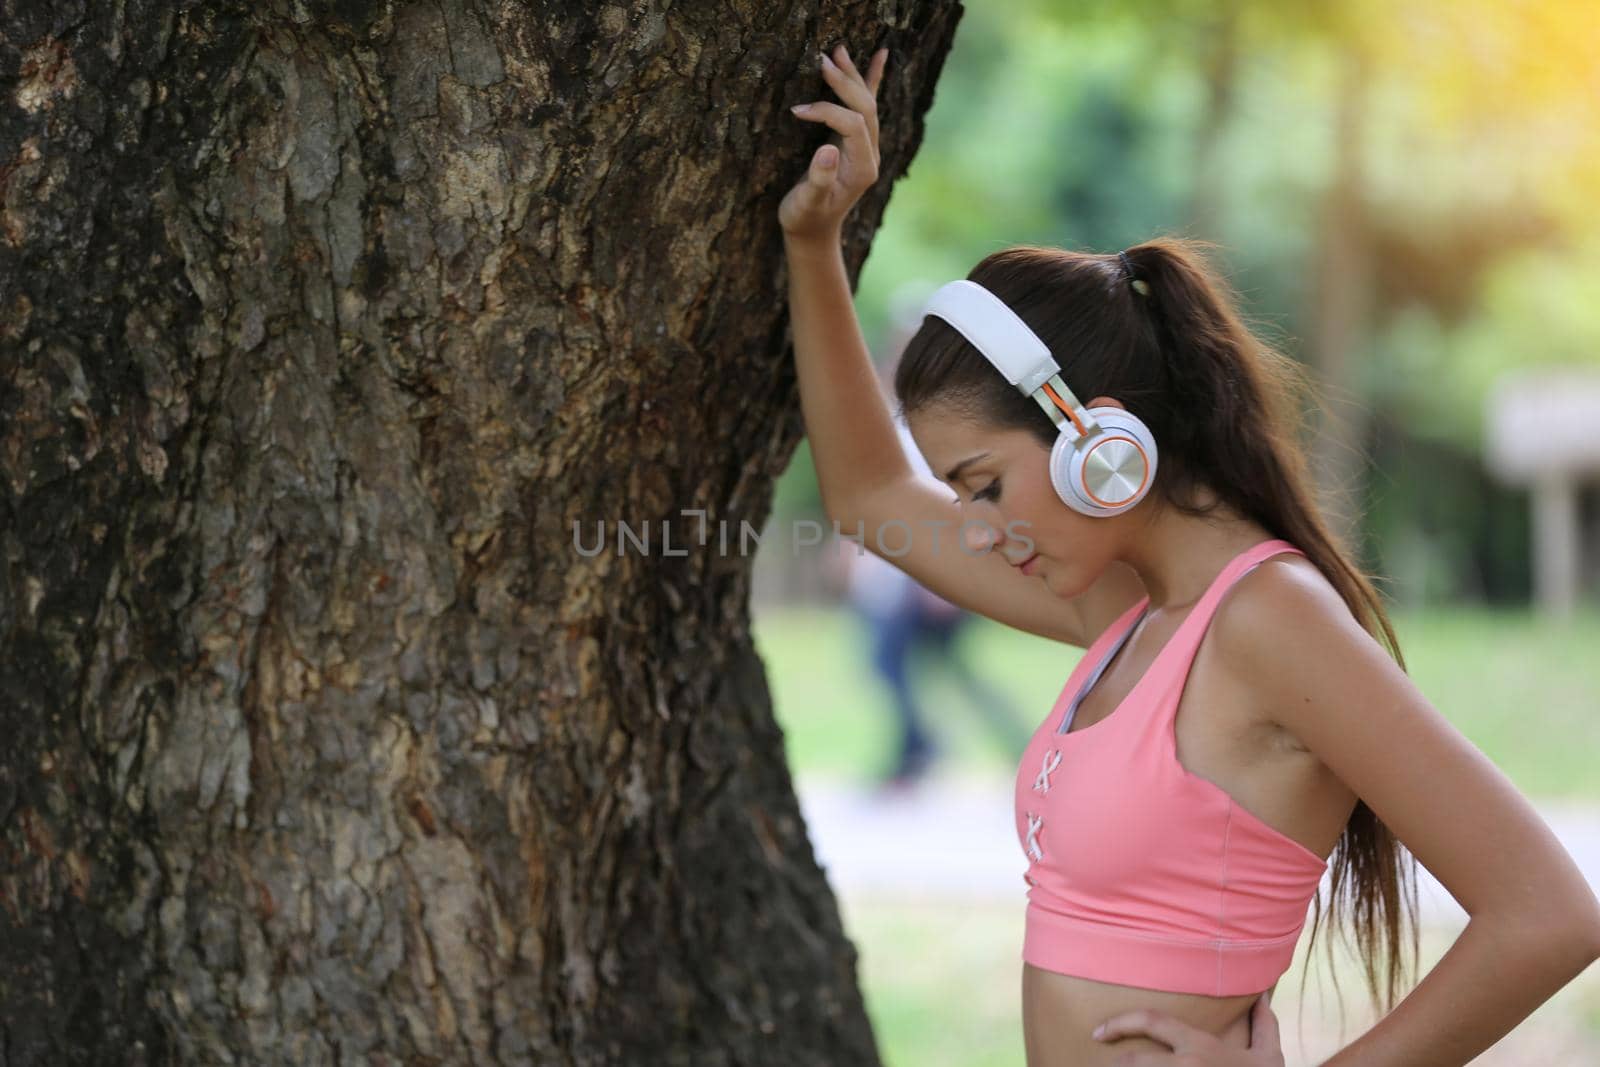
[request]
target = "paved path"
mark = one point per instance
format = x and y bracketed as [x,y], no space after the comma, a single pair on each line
[955,836]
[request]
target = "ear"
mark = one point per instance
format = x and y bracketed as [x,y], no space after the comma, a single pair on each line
[1106,401]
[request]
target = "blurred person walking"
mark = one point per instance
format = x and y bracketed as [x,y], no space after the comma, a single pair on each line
[905,619]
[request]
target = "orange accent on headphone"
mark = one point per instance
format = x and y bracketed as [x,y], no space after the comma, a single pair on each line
[1107,503]
[1051,393]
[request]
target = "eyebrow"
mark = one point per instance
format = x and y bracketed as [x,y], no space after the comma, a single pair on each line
[955,472]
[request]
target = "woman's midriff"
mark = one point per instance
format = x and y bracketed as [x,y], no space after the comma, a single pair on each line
[1060,1011]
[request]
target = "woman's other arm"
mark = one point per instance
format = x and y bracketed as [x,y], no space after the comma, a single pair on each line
[1534,921]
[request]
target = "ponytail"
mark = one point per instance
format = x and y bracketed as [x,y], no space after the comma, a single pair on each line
[1245,435]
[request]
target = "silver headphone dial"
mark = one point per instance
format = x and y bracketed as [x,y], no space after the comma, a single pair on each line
[1114,471]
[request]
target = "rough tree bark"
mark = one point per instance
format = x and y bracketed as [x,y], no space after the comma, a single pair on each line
[320,327]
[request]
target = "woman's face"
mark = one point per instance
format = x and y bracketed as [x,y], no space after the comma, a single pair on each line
[1006,499]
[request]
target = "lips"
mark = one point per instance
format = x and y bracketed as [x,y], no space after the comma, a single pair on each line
[1026,566]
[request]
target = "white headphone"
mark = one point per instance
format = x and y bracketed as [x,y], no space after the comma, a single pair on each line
[1104,459]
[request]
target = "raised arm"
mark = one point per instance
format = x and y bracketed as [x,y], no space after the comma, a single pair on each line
[868,485]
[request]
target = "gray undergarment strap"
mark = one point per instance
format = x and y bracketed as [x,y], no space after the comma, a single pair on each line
[1105,661]
[1100,668]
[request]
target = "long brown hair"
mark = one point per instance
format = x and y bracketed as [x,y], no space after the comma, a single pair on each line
[1227,411]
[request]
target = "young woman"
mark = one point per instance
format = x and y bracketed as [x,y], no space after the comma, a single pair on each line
[1235,728]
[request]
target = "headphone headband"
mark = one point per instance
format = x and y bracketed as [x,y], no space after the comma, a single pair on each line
[1012,347]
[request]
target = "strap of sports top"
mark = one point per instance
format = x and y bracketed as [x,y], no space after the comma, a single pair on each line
[1187,640]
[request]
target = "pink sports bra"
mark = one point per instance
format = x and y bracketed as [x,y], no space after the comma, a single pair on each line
[1141,872]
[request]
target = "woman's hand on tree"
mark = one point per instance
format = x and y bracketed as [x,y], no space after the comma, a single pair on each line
[847,165]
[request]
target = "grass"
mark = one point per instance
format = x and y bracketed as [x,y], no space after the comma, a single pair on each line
[942,979]
[1525,690]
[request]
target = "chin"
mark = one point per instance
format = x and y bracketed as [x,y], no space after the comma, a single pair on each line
[1065,594]
[1047,575]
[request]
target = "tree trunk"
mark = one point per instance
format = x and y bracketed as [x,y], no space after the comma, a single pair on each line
[1208,196]
[319,336]
[1341,309]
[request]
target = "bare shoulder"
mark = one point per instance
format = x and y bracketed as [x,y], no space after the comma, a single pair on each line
[1286,594]
[1287,599]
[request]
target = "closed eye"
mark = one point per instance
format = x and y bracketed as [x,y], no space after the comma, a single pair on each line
[988,492]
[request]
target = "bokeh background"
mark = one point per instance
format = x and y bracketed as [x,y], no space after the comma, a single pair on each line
[1403,193]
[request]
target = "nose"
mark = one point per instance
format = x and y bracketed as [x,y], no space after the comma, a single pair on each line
[982,535]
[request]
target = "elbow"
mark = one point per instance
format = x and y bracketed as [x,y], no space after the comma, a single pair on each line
[1591,940]
[1588,926]
[845,515]
[833,512]
[1562,933]
[1578,938]
[1586,945]
[840,519]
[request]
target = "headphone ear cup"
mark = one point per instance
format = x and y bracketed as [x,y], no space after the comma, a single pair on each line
[1110,473]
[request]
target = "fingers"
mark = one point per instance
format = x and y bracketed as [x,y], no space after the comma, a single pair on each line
[842,60]
[813,193]
[1264,1026]
[842,63]
[875,72]
[824,163]
[845,120]
[1175,1035]
[841,75]
[851,125]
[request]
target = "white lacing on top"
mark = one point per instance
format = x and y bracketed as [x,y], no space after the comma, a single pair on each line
[1035,823]
[1052,759]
